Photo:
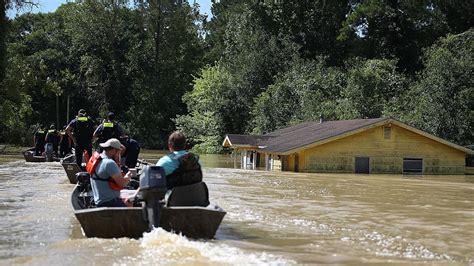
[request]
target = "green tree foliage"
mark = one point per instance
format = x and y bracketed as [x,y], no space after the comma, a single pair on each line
[255,66]
[163,66]
[254,57]
[12,103]
[372,86]
[134,58]
[211,108]
[313,25]
[224,94]
[304,93]
[442,100]
[393,30]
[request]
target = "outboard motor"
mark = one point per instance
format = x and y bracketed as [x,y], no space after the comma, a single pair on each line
[152,191]
[48,151]
[83,180]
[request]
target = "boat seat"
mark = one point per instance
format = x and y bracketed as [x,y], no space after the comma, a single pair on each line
[190,195]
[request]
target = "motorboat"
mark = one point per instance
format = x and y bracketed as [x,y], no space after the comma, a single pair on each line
[184,209]
[70,166]
[31,157]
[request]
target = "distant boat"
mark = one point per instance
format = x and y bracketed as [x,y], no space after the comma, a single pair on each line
[70,166]
[47,156]
[31,157]
[185,209]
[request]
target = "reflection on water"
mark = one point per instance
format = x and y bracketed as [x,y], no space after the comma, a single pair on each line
[272,218]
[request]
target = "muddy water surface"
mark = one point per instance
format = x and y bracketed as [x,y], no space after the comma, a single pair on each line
[272,219]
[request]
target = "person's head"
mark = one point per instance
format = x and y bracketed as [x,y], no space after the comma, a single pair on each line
[177,141]
[112,147]
[81,112]
[110,116]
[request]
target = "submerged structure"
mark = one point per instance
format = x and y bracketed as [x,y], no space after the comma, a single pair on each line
[380,145]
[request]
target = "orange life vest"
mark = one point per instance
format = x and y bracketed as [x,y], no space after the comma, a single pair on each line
[91,166]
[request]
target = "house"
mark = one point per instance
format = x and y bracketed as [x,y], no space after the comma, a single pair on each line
[380,145]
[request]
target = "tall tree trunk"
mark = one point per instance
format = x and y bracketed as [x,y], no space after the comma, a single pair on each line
[155,6]
[3,34]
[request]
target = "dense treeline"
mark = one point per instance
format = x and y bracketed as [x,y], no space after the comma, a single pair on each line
[255,66]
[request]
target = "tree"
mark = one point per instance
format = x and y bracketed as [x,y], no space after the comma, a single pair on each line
[304,93]
[390,29]
[313,25]
[211,108]
[441,101]
[372,86]
[169,52]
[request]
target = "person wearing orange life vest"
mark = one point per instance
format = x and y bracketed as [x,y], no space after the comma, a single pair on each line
[108,170]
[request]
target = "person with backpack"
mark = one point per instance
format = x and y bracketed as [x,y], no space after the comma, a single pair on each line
[80,129]
[106,176]
[181,167]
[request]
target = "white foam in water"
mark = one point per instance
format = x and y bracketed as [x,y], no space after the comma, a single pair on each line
[162,247]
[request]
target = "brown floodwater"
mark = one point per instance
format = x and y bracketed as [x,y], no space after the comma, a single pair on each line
[273,218]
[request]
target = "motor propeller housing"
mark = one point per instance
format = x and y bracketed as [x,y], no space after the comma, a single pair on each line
[152,191]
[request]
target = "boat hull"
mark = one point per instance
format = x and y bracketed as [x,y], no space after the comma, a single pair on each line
[191,221]
[70,166]
[30,156]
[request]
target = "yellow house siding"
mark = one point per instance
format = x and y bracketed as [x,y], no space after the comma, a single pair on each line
[386,155]
[288,162]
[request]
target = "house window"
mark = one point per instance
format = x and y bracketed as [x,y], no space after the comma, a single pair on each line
[412,166]
[361,165]
[387,132]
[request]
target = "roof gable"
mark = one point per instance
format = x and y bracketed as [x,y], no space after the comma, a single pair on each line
[249,141]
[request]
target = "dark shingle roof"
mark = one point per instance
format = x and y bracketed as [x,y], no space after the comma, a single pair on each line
[246,140]
[294,137]
[291,139]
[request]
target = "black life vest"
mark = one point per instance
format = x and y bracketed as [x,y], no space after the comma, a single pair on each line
[65,139]
[189,172]
[83,129]
[52,137]
[40,134]
[108,131]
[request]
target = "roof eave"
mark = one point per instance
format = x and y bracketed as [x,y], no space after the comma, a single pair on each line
[333,138]
[377,124]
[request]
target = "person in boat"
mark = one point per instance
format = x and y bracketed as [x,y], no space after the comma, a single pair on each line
[108,129]
[38,140]
[80,130]
[107,171]
[53,137]
[131,151]
[180,166]
[64,143]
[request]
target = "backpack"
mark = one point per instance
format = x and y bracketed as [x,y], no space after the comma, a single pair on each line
[92,166]
[189,172]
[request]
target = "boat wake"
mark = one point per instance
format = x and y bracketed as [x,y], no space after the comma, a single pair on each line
[162,247]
